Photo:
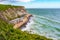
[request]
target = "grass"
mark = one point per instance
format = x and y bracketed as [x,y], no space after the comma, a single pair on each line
[5,7]
[8,33]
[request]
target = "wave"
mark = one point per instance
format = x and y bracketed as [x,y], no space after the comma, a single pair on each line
[43,26]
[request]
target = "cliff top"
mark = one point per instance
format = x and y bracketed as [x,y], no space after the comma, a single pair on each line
[5,7]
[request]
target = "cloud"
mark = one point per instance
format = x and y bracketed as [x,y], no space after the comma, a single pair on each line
[2,2]
[14,1]
[24,0]
[5,2]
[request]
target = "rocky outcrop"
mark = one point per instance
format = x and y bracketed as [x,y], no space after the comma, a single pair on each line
[24,21]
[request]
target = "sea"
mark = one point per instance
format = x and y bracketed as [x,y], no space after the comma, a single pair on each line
[44,22]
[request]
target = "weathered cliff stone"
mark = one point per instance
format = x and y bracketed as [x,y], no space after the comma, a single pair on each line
[17,16]
[3,17]
[12,13]
[23,22]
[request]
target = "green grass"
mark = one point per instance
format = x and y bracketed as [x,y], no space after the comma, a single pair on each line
[8,33]
[5,7]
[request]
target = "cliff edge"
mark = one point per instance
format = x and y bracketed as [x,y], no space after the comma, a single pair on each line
[16,15]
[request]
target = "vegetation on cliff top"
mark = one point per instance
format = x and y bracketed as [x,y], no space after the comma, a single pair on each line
[5,7]
[8,33]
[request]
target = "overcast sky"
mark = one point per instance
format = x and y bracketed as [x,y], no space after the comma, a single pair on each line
[33,3]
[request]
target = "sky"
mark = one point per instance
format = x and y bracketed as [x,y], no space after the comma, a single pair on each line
[33,3]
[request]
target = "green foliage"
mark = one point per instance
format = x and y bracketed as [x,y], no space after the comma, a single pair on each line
[8,33]
[5,7]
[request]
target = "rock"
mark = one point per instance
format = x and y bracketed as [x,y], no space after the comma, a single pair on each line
[24,21]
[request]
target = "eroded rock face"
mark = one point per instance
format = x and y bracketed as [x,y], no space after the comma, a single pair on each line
[23,22]
[12,14]
[3,17]
[17,16]
[17,20]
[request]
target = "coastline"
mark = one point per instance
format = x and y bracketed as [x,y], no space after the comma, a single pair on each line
[14,32]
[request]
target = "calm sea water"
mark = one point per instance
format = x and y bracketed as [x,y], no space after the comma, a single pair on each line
[45,22]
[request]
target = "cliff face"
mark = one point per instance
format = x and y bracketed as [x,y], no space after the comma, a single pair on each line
[11,12]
